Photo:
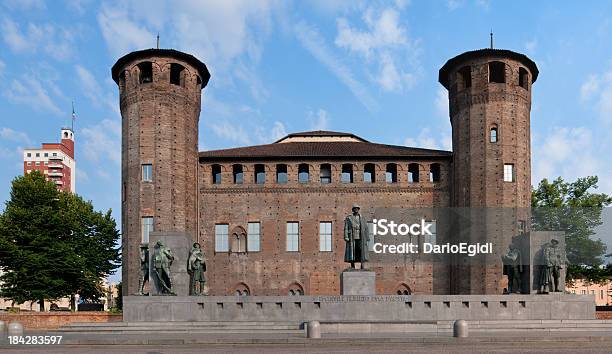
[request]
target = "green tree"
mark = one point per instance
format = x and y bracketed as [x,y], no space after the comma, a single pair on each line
[572,207]
[53,244]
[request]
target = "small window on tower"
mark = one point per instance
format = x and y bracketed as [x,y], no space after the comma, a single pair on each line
[281,174]
[347,173]
[523,78]
[434,172]
[465,77]
[391,173]
[303,173]
[369,173]
[216,174]
[238,176]
[260,174]
[325,173]
[147,173]
[175,74]
[493,135]
[508,172]
[146,72]
[413,173]
[497,72]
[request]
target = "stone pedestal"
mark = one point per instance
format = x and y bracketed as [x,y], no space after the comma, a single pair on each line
[358,282]
[180,245]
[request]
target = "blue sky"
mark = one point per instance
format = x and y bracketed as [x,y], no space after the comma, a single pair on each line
[282,66]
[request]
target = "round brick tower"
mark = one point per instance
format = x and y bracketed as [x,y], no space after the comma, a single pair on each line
[160,92]
[490,103]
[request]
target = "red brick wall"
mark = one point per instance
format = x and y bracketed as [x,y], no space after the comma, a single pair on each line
[52,320]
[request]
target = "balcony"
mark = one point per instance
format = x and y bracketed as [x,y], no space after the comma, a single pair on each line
[56,158]
[59,182]
[56,165]
[55,174]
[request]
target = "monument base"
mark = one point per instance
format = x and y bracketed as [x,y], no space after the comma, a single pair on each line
[358,282]
[358,308]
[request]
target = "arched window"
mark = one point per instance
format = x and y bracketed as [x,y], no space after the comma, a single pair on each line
[347,173]
[146,72]
[281,173]
[403,289]
[391,173]
[493,137]
[175,74]
[497,72]
[523,79]
[239,240]
[413,173]
[434,172]
[216,174]
[242,290]
[295,289]
[260,174]
[303,173]
[369,173]
[465,77]
[238,175]
[325,173]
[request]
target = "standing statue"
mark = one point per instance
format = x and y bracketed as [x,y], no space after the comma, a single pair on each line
[356,237]
[196,266]
[554,260]
[144,268]
[162,260]
[513,267]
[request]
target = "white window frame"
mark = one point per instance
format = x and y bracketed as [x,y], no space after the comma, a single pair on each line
[325,236]
[293,236]
[147,226]
[221,237]
[254,236]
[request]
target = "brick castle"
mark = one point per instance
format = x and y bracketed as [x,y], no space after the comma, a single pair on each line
[270,217]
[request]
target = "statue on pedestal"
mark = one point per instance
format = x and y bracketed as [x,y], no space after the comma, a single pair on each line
[196,266]
[356,237]
[513,267]
[144,268]
[554,260]
[162,260]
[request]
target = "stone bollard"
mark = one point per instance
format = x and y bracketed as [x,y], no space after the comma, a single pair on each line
[15,329]
[313,329]
[460,329]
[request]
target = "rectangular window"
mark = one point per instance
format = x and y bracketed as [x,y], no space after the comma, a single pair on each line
[55,154]
[221,238]
[29,163]
[325,236]
[147,228]
[147,173]
[29,154]
[370,236]
[601,294]
[293,237]
[431,238]
[46,163]
[46,154]
[253,237]
[508,172]
[37,154]
[37,163]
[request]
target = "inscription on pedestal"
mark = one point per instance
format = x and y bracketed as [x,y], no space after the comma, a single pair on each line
[358,283]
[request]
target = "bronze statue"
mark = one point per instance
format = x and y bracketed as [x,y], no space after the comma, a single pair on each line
[144,268]
[554,260]
[162,260]
[196,266]
[513,267]
[356,237]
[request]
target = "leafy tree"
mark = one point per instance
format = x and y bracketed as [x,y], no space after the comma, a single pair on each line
[572,207]
[53,244]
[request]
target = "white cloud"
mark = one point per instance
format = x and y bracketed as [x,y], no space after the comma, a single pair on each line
[268,136]
[102,141]
[561,151]
[597,89]
[92,90]
[226,35]
[454,4]
[54,41]
[531,46]
[426,140]
[441,102]
[384,43]
[310,39]
[231,132]
[8,134]
[319,120]
[30,91]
